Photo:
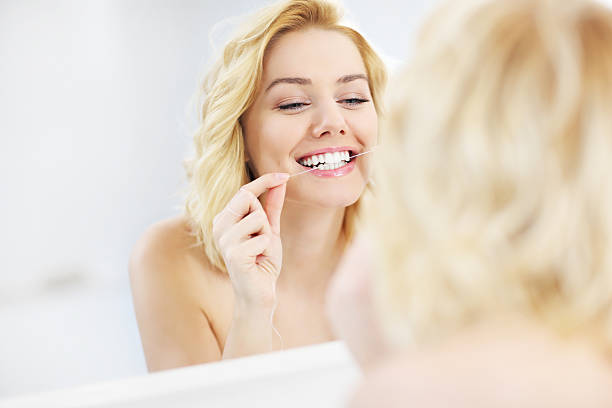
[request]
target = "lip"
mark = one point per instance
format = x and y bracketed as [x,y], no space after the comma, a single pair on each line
[339,172]
[353,151]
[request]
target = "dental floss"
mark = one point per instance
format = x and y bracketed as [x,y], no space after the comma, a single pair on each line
[272,318]
[350,157]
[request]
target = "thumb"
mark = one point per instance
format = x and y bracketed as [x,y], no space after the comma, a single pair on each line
[274,206]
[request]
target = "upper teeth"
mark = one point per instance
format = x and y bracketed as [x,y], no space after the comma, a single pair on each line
[326,158]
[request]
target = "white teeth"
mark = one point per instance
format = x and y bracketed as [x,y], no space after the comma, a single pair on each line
[330,166]
[330,160]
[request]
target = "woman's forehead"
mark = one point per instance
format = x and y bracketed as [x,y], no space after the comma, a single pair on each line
[313,53]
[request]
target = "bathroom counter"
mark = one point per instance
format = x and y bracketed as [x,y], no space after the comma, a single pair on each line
[315,376]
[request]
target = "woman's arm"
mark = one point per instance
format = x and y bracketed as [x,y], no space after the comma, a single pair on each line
[248,237]
[251,331]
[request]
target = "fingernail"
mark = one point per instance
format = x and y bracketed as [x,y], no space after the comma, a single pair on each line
[282,176]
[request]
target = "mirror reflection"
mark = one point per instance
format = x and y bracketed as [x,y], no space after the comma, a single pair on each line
[245,270]
[98,120]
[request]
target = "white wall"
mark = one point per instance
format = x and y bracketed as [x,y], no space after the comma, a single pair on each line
[94,124]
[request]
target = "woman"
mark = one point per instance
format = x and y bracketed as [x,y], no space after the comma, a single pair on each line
[491,261]
[293,90]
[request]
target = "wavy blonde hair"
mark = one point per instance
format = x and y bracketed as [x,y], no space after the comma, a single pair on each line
[218,169]
[495,180]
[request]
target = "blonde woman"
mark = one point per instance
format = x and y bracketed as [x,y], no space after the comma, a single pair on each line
[245,269]
[491,234]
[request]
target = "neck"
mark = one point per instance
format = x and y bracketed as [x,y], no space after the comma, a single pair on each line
[313,242]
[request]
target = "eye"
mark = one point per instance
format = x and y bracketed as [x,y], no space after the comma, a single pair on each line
[294,106]
[354,102]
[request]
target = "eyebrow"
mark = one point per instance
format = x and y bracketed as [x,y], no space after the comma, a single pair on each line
[349,78]
[299,81]
[305,81]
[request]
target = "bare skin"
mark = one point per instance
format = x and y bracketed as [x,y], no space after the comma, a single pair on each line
[508,365]
[189,312]
[185,309]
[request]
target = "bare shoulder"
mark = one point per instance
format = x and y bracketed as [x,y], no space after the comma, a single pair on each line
[172,282]
[167,240]
[168,253]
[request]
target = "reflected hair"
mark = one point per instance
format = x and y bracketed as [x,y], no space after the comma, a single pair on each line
[218,168]
[501,129]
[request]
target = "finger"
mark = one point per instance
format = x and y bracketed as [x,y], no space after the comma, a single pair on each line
[243,203]
[254,223]
[262,184]
[255,246]
[274,206]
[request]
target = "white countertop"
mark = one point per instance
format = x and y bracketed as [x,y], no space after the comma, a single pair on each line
[315,376]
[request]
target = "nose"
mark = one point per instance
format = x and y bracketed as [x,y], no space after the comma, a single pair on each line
[329,121]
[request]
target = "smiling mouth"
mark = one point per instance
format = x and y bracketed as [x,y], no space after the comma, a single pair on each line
[327,161]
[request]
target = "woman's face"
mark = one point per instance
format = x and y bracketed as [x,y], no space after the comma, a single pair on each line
[314,109]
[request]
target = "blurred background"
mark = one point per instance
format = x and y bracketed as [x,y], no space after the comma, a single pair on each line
[95,120]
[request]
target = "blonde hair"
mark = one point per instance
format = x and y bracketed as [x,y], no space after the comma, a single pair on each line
[218,169]
[495,180]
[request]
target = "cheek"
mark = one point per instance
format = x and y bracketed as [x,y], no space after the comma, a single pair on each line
[270,141]
[365,127]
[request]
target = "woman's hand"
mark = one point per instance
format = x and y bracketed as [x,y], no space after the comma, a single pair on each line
[248,237]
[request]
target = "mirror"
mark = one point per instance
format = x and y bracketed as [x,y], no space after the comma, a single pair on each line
[96,122]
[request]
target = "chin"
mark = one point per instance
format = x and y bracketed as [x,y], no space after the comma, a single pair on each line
[329,197]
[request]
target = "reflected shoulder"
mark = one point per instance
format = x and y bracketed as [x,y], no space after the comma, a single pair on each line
[169,246]
[172,292]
